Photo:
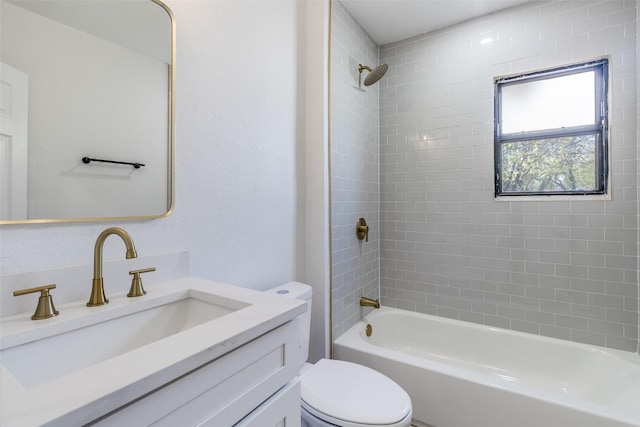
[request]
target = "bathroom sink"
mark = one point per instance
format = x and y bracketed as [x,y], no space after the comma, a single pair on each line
[43,360]
[90,361]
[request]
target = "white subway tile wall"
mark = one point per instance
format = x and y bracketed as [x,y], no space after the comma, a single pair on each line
[630,164]
[566,269]
[355,161]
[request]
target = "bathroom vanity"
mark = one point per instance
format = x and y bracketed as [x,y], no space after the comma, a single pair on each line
[190,352]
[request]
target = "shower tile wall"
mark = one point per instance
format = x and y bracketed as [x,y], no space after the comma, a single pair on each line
[566,269]
[355,162]
[638,143]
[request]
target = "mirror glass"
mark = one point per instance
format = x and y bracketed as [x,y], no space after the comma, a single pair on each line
[86,79]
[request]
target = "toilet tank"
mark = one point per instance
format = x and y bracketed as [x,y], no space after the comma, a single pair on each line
[300,291]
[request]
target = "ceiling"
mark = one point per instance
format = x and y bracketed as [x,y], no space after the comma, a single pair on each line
[387,21]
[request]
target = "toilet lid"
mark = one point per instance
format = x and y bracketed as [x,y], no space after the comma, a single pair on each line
[353,393]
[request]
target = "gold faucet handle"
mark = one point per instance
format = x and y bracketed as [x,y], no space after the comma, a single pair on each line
[45,308]
[362,229]
[136,283]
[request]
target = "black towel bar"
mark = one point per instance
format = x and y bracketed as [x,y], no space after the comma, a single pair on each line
[88,160]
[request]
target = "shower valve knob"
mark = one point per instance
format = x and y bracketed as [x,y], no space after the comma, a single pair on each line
[362,230]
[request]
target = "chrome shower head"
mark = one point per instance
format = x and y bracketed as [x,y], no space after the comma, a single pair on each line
[374,75]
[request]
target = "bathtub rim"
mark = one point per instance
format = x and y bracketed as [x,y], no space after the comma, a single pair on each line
[628,356]
[355,334]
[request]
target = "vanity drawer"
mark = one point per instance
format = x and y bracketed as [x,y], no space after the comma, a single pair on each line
[282,409]
[222,392]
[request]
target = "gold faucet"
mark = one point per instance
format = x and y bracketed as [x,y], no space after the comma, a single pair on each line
[368,302]
[97,288]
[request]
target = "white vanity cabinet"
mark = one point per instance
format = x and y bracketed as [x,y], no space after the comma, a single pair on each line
[253,385]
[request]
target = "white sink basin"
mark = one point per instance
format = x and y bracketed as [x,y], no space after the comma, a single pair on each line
[38,362]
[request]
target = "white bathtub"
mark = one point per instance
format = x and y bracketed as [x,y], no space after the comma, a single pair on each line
[461,374]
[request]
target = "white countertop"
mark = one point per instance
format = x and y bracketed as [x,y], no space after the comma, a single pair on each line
[91,392]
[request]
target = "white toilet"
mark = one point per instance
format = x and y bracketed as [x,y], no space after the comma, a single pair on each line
[338,393]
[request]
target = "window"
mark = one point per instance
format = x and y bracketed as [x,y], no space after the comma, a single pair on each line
[551,131]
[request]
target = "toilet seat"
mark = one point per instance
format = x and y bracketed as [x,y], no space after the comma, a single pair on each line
[352,395]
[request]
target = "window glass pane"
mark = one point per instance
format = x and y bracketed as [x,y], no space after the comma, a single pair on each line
[551,103]
[549,165]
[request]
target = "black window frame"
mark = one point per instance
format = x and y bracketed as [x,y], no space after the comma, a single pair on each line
[600,128]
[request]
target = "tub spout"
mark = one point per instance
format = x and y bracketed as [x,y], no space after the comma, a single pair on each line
[368,302]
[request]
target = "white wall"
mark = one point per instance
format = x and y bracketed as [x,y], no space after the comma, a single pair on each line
[241,177]
[240,122]
[317,216]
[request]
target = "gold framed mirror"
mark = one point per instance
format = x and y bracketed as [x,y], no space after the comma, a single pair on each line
[87,130]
